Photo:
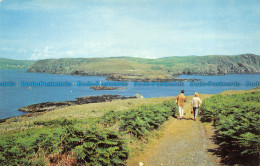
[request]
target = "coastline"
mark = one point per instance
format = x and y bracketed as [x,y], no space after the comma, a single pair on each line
[50,106]
[87,100]
[94,93]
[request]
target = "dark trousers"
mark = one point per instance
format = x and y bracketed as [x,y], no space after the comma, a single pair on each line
[195,111]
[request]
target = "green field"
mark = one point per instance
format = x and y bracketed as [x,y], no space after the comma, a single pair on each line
[141,68]
[10,64]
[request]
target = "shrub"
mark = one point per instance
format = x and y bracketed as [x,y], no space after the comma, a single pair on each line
[19,148]
[85,142]
[56,122]
[110,118]
[236,118]
[101,147]
[93,145]
[142,120]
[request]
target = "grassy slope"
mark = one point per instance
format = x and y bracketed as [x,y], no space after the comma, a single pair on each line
[97,66]
[163,67]
[14,64]
[80,112]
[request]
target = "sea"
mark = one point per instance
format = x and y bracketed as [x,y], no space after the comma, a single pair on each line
[19,88]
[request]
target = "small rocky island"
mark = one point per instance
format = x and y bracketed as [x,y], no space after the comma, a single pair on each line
[49,106]
[106,88]
[117,77]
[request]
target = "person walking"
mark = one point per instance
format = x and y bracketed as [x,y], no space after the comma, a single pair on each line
[180,99]
[195,104]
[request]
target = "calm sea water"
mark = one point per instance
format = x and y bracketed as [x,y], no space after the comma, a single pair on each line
[13,98]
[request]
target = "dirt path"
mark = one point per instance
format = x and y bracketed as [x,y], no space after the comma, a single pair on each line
[184,142]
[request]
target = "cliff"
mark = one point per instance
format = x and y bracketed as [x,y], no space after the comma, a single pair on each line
[150,69]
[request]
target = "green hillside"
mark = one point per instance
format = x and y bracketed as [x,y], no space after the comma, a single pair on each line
[7,64]
[129,68]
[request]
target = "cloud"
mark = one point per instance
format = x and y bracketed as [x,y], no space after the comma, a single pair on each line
[53,53]
[41,54]
[105,29]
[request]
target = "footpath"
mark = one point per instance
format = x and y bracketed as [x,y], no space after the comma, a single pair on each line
[183,142]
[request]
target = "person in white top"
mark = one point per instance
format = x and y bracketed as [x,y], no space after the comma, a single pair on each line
[195,104]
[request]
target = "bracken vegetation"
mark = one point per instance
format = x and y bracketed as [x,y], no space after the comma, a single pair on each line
[236,118]
[76,142]
[140,121]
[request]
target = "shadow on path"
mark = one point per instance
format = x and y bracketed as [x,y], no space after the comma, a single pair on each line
[230,156]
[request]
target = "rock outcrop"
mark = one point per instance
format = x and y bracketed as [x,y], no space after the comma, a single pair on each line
[48,106]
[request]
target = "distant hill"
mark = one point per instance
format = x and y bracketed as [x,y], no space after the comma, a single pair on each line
[129,68]
[7,64]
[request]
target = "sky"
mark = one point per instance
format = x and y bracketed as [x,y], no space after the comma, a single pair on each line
[44,29]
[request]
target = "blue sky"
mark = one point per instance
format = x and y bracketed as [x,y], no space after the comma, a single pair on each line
[41,29]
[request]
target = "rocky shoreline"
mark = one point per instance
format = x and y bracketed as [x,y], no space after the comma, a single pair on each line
[49,106]
[39,108]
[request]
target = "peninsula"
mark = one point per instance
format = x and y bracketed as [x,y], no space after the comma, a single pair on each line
[149,70]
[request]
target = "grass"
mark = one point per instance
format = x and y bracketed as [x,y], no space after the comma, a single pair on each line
[160,68]
[80,112]
[14,64]
[72,122]
[91,112]
[232,92]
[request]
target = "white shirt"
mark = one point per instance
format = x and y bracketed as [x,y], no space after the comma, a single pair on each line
[196,102]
